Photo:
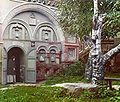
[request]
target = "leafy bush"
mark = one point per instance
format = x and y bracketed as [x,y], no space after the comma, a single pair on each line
[103,92]
[75,69]
[116,97]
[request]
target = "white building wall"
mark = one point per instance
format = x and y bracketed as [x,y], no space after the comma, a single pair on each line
[6,6]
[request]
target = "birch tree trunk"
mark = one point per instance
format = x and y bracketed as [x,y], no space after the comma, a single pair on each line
[96,60]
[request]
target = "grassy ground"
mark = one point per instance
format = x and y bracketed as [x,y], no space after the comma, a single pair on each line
[45,93]
[63,79]
[3,86]
[42,94]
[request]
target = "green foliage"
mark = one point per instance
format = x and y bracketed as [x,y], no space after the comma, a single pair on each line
[3,86]
[42,94]
[116,6]
[112,25]
[73,73]
[115,98]
[76,17]
[103,92]
[36,94]
[63,79]
[75,69]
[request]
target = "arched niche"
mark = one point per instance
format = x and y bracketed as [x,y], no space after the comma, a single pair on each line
[54,47]
[45,32]
[42,47]
[42,54]
[17,30]
[54,55]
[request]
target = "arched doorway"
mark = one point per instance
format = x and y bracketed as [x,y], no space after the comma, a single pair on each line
[15,65]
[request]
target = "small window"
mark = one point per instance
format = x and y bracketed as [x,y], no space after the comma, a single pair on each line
[17,32]
[72,39]
[71,54]
[46,35]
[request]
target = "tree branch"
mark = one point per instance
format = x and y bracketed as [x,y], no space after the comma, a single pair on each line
[89,41]
[111,52]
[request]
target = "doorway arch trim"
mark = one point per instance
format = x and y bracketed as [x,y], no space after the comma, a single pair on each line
[17,47]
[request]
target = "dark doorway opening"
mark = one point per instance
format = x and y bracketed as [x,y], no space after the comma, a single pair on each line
[15,65]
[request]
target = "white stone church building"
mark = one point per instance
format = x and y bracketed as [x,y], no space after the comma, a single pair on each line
[29,31]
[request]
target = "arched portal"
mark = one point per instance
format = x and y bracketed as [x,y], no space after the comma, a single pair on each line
[15,65]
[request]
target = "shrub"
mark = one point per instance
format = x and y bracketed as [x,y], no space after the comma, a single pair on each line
[103,92]
[75,69]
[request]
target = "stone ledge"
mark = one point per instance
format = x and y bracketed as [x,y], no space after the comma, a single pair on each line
[77,88]
[72,86]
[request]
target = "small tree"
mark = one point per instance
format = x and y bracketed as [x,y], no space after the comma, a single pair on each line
[96,60]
